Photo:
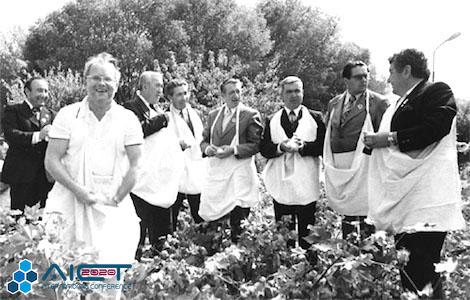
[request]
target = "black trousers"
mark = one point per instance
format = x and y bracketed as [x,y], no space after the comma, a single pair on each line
[303,214]
[30,193]
[194,200]
[348,225]
[425,251]
[154,219]
[235,217]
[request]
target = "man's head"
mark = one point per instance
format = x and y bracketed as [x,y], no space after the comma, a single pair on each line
[177,92]
[231,92]
[102,75]
[406,69]
[36,90]
[356,77]
[151,86]
[292,91]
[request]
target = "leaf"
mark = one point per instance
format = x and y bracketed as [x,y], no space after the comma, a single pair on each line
[448,266]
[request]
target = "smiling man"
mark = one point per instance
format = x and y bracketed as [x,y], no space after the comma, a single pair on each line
[26,128]
[414,172]
[356,110]
[231,138]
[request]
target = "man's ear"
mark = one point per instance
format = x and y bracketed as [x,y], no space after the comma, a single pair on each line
[27,92]
[407,71]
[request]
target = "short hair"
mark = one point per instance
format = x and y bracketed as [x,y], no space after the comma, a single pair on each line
[145,78]
[102,58]
[170,87]
[413,58]
[347,70]
[29,82]
[229,81]
[289,80]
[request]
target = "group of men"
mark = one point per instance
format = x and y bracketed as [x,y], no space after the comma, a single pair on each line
[382,161]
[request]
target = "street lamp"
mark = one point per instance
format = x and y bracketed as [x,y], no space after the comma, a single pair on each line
[452,37]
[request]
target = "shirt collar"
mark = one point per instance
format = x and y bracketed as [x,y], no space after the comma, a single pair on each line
[356,96]
[177,111]
[143,100]
[296,110]
[29,103]
[230,110]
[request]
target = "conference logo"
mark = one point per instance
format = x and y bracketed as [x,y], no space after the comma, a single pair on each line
[23,278]
[89,276]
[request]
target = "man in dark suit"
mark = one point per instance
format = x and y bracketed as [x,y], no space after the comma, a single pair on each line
[346,117]
[26,127]
[154,219]
[422,119]
[293,140]
[231,138]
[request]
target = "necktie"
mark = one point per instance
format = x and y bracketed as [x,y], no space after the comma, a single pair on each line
[188,121]
[227,117]
[36,112]
[292,117]
[347,108]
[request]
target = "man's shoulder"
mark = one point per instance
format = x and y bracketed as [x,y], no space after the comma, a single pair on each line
[315,113]
[248,110]
[377,97]
[14,107]
[335,99]
[436,86]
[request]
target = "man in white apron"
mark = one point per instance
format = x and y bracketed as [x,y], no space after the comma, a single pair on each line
[349,114]
[187,125]
[155,219]
[292,142]
[413,170]
[231,139]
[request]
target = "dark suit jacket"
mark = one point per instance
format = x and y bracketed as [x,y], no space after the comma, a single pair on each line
[149,125]
[249,135]
[425,116]
[24,160]
[344,137]
[269,149]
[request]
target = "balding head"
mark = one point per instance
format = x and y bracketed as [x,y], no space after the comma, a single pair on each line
[151,86]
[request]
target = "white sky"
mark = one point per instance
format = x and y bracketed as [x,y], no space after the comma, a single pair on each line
[384,27]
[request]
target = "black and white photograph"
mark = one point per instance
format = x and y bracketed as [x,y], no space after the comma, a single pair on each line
[234,149]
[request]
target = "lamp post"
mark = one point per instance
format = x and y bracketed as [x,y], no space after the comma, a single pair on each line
[452,37]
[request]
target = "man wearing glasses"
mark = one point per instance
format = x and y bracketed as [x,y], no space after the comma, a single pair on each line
[356,110]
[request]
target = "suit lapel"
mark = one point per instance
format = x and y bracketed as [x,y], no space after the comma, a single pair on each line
[410,98]
[358,108]
[28,114]
[218,125]
[231,124]
[338,111]
[145,111]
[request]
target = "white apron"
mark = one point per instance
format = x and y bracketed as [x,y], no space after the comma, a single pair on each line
[113,231]
[293,179]
[417,188]
[230,181]
[162,169]
[346,188]
[194,166]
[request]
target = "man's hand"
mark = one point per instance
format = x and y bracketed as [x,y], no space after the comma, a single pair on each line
[288,146]
[211,150]
[224,151]
[87,197]
[463,147]
[44,133]
[376,140]
[184,146]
